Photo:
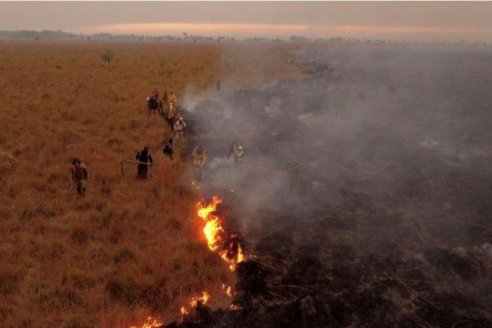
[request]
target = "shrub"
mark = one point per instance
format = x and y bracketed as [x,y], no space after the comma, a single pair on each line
[8,281]
[36,210]
[77,321]
[4,214]
[123,255]
[121,291]
[107,56]
[79,236]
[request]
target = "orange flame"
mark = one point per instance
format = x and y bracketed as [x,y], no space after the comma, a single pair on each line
[195,301]
[150,323]
[215,233]
[231,253]
[227,290]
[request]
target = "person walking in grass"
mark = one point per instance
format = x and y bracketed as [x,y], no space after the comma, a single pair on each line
[199,159]
[237,152]
[79,175]
[168,148]
[144,161]
[172,98]
[179,128]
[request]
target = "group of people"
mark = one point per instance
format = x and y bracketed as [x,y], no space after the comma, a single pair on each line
[155,103]
[144,159]
[176,121]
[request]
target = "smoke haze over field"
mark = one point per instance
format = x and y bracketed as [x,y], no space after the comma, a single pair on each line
[387,119]
[467,21]
[394,147]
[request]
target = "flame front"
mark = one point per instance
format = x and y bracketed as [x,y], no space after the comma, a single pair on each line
[218,240]
[195,302]
[201,300]
[225,244]
[150,323]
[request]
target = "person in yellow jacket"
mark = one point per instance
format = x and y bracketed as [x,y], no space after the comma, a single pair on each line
[172,101]
[172,98]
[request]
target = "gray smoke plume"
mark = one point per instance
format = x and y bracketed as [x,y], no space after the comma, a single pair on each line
[391,150]
[389,120]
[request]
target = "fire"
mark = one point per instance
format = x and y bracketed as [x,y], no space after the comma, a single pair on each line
[218,240]
[204,212]
[227,290]
[225,244]
[195,302]
[200,300]
[150,323]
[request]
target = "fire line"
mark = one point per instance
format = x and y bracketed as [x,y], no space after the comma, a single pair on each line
[225,244]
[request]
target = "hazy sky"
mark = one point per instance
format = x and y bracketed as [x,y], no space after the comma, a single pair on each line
[411,20]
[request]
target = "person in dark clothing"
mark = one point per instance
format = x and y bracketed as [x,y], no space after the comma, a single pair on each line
[168,148]
[144,160]
[79,175]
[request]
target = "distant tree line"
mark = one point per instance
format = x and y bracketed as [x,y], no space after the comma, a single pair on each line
[37,35]
[60,35]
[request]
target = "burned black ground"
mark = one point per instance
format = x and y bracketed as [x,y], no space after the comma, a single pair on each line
[387,220]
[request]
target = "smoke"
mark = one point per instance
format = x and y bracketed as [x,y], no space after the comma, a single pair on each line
[384,149]
[377,115]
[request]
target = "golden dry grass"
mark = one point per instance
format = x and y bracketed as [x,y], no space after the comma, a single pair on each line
[128,248]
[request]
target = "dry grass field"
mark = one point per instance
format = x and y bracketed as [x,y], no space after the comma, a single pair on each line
[128,248]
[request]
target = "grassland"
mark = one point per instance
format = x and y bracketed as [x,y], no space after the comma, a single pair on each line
[128,248]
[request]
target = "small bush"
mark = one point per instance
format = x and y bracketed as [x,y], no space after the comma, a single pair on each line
[174,225]
[107,56]
[36,210]
[4,214]
[77,321]
[123,255]
[79,236]
[106,217]
[124,292]
[155,296]
[8,281]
